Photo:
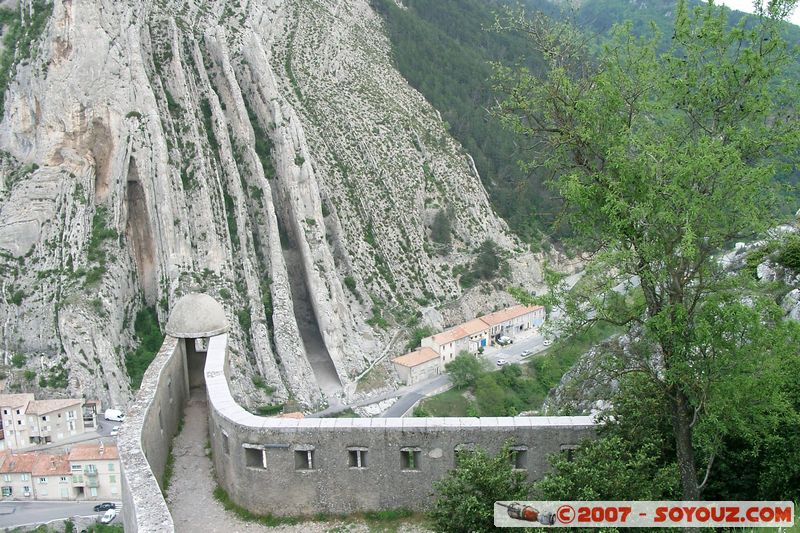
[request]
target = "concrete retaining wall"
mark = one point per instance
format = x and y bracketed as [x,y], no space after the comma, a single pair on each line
[145,438]
[263,462]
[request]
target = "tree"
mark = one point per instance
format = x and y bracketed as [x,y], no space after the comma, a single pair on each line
[441,231]
[465,497]
[662,157]
[465,369]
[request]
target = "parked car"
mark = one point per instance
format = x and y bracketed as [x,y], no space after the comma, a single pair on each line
[548,342]
[109,517]
[105,506]
[115,431]
[502,362]
[525,353]
[504,341]
[115,415]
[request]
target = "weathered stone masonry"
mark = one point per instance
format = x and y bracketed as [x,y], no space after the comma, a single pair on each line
[306,466]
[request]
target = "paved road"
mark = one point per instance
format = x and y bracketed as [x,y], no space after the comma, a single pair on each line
[15,514]
[512,354]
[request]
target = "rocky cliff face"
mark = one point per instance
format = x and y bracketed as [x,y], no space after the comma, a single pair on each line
[264,152]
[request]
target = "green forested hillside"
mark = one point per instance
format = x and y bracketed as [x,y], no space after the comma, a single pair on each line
[444,48]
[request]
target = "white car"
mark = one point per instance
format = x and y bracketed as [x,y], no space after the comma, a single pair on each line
[115,431]
[502,362]
[109,516]
[548,342]
[525,353]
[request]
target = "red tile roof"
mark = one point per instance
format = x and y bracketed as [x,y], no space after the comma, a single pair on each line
[18,463]
[474,326]
[93,452]
[417,357]
[51,465]
[510,313]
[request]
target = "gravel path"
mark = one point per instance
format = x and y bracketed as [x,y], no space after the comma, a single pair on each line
[190,498]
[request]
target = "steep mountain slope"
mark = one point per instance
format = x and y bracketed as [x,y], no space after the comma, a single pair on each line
[445,48]
[265,152]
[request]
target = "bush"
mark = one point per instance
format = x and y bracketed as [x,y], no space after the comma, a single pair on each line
[30,375]
[417,335]
[148,333]
[350,283]
[270,409]
[18,360]
[465,370]
[789,253]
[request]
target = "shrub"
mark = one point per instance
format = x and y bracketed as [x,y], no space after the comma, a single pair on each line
[30,375]
[789,253]
[18,360]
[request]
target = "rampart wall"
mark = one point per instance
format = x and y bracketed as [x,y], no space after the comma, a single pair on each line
[344,465]
[313,465]
[145,438]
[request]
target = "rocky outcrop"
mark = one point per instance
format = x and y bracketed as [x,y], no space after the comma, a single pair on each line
[266,153]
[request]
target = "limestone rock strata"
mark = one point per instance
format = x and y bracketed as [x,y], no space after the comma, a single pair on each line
[264,152]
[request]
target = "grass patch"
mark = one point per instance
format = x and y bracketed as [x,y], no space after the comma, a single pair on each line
[385,520]
[347,413]
[376,378]
[270,409]
[448,403]
[268,520]
[150,337]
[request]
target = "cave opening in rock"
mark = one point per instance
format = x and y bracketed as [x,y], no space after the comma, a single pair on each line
[318,355]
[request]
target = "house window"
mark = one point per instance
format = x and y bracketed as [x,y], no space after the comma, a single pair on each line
[254,456]
[44,418]
[93,491]
[63,479]
[91,469]
[110,467]
[5,411]
[409,458]
[304,458]
[17,411]
[112,479]
[518,456]
[26,490]
[226,447]
[6,491]
[78,468]
[357,457]
[6,477]
[42,480]
[24,477]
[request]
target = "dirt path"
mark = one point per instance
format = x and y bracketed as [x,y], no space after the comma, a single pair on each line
[190,499]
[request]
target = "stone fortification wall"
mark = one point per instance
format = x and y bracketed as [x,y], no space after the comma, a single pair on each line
[145,437]
[343,465]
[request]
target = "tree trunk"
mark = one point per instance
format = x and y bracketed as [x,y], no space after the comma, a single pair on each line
[681,425]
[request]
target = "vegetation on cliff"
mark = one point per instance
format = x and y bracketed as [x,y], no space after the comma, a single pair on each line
[663,157]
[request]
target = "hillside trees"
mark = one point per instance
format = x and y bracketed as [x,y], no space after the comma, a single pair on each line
[662,157]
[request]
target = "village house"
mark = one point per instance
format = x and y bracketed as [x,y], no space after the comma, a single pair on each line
[95,471]
[469,336]
[26,421]
[513,320]
[417,366]
[16,472]
[438,350]
[87,472]
[52,477]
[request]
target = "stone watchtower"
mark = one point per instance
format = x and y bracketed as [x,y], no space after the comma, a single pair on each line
[194,318]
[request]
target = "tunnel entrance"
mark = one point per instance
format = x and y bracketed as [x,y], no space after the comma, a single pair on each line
[317,352]
[196,350]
